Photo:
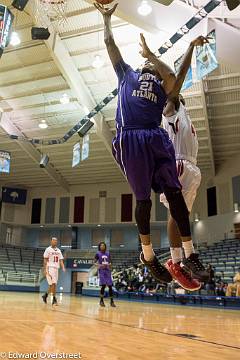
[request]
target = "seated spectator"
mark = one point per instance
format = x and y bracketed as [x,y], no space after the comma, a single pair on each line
[235,286]
[210,285]
[221,288]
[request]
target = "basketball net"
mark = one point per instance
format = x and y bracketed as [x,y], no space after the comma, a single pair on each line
[51,12]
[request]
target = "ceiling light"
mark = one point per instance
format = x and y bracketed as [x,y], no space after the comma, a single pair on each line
[64,99]
[145,8]
[15,39]
[43,124]
[98,62]
[99,225]
[196,217]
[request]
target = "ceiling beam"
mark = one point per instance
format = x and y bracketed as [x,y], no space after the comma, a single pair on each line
[132,19]
[80,90]
[31,150]
[204,104]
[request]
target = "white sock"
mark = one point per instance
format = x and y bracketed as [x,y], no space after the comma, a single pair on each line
[188,248]
[176,254]
[148,252]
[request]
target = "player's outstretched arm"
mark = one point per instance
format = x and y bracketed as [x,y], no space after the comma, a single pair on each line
[113,50]
[165,72]
[186,62]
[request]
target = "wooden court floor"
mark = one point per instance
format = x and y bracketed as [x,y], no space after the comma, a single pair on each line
[132,331]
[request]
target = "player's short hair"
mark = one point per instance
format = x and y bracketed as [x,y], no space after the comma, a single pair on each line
[54,238]
[102,243]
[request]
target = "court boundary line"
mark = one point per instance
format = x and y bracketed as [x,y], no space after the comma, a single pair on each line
[151,330]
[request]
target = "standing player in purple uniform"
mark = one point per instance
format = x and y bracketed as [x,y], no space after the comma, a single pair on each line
[141,148]
[103,261]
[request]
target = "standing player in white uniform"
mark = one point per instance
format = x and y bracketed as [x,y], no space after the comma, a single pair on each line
[53,259]
[177,123]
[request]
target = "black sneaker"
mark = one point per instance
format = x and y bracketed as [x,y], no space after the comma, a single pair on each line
[102,303]
[159,272]
[44,297]
[196,268]
[112,303]
[54,301]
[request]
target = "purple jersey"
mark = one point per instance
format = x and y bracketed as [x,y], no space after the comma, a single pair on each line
[104,272]
[103,258]
[141,99]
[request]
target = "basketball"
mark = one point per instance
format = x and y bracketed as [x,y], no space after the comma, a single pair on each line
[104,2]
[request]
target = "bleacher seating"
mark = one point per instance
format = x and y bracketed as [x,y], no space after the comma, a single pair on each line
[224,256]
[19,265]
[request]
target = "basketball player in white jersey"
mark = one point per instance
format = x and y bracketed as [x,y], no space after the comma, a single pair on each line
[53,259]
[176,121]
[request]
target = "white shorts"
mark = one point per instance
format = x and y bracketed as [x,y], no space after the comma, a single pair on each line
[190,178]
[52,278]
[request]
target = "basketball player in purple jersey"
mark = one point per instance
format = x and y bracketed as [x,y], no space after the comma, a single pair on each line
[103,261]
[141,148]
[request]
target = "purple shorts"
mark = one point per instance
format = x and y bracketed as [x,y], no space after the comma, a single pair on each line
[147,159]
[105,277]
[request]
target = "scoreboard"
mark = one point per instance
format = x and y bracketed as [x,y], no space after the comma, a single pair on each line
[6,20]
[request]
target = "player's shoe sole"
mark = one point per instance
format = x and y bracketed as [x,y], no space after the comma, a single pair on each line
[182,277]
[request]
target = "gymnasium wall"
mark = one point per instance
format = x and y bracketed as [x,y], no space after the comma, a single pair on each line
[103,205]
[227,183]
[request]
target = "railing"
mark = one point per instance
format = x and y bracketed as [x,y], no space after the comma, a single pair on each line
[21,278]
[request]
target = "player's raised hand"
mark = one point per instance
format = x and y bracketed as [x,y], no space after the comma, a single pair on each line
[105,11]
[199,41]
[145,51]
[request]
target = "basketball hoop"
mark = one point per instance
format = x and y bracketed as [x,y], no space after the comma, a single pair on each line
[51,12]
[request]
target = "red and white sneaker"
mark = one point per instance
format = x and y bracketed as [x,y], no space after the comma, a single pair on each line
[182,276]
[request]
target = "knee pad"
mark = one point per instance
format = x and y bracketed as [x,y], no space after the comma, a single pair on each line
[178,210]
[143,214]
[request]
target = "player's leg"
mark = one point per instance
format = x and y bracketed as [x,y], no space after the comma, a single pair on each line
[238,290]
[174,237]
[166,179]
[190,179]
[111,296]
[54,274]
[102,291]
[49,291]
[174,265]
[133,153]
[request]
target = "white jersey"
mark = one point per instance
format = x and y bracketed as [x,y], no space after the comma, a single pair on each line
[53,256]
[183,135]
